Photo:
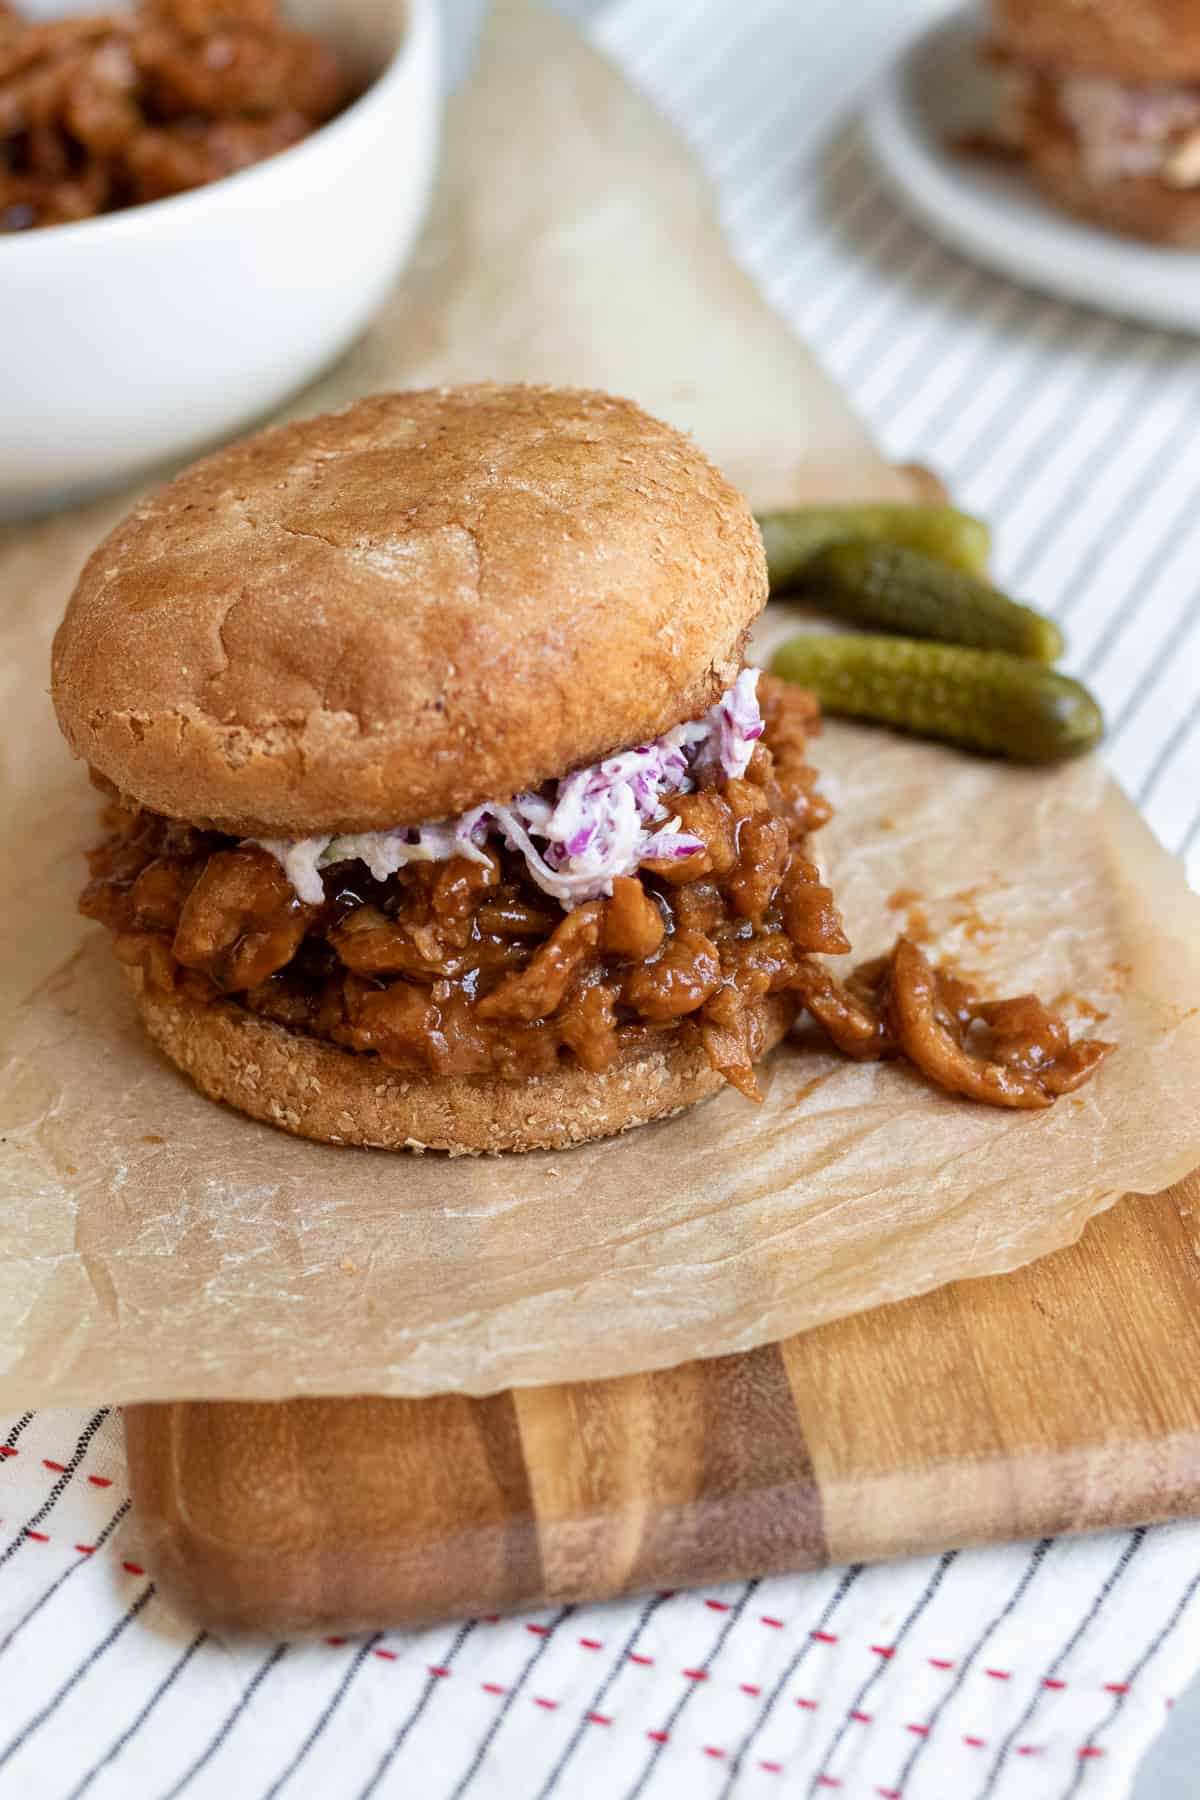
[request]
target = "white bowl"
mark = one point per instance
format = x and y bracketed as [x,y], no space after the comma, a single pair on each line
[143,335]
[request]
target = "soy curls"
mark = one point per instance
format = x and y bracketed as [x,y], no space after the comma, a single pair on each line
[885,587]
[793,537]
[981,699]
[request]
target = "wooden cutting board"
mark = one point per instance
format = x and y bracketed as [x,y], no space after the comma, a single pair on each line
[1063,1398]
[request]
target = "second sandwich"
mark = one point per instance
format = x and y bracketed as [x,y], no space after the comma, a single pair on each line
[1103,104]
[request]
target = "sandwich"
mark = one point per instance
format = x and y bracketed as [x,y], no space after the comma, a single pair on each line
[1102,102]
[441,808]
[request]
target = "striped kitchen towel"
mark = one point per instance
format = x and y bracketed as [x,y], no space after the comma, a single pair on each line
[1022,1672]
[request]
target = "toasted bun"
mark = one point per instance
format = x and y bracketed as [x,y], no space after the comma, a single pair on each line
[400,610]
[315,1090]
[1136,42]
[1138,206]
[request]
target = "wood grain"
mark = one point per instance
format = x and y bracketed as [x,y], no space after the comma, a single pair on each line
[1062,1398]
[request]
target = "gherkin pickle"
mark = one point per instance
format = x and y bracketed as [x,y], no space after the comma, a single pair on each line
[793,536]
[981,699]
[885,587]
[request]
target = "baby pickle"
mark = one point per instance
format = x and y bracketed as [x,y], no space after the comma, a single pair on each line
[887,588]
[982,699]
[794,536]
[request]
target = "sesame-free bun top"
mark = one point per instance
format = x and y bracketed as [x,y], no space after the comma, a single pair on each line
[394,612]
[1136,42]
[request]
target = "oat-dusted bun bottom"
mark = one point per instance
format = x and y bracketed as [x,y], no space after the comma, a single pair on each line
[1135,42]
[395,612]
[1139,206]
[315,1090]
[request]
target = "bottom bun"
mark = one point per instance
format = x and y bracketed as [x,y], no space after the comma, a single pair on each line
[1139,206]
[312,1088]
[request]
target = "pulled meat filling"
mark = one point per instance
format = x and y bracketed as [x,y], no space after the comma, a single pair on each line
[1004,1052]
[466,968]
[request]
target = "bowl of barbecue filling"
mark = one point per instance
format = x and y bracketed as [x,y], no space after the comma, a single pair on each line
[202,203]
[443,810]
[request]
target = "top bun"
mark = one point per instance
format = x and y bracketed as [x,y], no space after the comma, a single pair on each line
[1135,42]
[400,610]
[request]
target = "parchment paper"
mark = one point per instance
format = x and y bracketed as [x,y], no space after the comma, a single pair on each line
[154,1246]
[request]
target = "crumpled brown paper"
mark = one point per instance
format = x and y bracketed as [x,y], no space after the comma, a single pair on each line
[155,1246]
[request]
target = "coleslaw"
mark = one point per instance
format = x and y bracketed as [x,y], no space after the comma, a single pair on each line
[577,834]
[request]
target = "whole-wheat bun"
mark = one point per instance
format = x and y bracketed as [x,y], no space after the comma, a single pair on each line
[1136,42]
[394,612]
[315,1090]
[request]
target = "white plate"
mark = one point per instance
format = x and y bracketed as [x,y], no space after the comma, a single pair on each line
[941,87]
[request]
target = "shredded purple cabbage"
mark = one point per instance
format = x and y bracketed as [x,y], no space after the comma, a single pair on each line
[600,822]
